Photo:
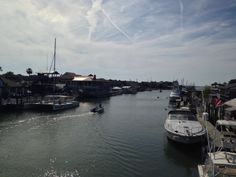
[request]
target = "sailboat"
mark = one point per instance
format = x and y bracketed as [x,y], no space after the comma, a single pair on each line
[55,102]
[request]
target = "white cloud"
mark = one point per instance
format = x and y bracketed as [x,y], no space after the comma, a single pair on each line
[162,48]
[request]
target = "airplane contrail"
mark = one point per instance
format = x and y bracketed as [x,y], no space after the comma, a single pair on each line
[181,6]
[114,25]
[92,19]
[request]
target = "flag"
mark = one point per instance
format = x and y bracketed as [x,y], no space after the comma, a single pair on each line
[218,102]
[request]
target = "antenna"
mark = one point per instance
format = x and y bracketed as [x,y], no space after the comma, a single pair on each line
[54,56]
[47,64]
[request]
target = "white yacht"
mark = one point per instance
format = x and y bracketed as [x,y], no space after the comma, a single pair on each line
[175,98]
[175,95]
[182,126]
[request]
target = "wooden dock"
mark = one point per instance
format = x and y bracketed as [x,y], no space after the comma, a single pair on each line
[215,137]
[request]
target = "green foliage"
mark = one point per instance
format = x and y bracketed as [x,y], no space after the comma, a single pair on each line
[29,71]
[9,73]
[206,92]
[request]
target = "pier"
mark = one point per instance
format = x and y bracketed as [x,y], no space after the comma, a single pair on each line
[215,137]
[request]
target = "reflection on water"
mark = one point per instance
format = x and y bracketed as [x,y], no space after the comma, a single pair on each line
[52,172]
[128,139]
[175,151]
[185,156]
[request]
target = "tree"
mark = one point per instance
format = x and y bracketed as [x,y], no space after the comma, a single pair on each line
[9,73]
[29,71]
[206,92]
[0,69]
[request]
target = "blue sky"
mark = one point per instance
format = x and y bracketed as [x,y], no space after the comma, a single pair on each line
[125,39]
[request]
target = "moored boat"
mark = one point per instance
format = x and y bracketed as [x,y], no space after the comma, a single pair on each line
[55,103]
[175,96]
[116,91]
[182,126]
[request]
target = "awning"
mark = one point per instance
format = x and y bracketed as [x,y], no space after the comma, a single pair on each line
[230,109]
[231,103]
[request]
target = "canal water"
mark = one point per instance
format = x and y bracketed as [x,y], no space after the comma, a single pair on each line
[127,140]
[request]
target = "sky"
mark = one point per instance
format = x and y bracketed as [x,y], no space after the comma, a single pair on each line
[140,40]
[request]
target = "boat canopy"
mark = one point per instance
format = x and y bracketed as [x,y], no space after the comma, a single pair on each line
[226,123]
[231,103]
[230,109]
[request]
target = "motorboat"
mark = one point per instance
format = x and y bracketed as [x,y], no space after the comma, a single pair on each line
[182,126]
[218,164]
[174,98]
[97,109]
[175,95]
[116,91]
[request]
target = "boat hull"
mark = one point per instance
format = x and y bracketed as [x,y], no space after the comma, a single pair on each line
[185,139]
[201,171]
[97,110]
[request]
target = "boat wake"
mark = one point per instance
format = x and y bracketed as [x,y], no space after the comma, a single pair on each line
[38,121]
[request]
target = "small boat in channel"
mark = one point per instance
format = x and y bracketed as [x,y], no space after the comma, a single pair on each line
[182,126]
[98,109]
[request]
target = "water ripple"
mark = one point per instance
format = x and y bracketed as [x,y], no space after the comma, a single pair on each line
[126,155]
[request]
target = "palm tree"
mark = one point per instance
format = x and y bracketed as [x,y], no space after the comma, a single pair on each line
[29,71]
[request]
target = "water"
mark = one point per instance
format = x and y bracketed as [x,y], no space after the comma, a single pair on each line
[127,140]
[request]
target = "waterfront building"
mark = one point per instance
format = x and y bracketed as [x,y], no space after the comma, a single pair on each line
[229,90]
[11,93]
[89,86]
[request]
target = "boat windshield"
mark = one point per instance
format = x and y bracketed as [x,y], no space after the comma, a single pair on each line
[182,117]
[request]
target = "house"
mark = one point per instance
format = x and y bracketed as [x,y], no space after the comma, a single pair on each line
[231,89]
[11,91]
[89,86]
[228,91]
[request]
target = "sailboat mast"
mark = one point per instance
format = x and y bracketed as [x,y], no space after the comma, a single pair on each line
[54,56]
